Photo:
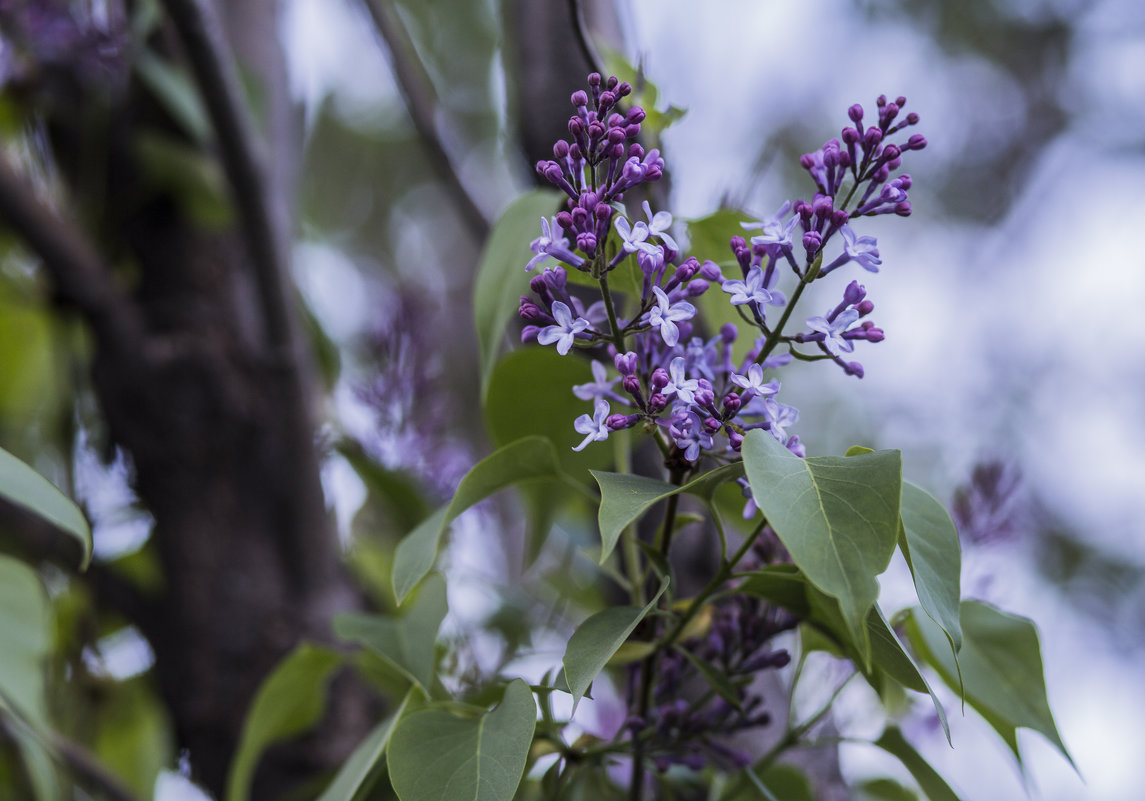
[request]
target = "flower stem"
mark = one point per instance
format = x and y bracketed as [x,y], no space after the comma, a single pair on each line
[615,333]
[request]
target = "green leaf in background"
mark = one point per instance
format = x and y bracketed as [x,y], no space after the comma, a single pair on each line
[24,487]
[1001,668]
[501,277]
[883,790]
[597,639]
[175,90]
[624,497]
[133,736]
[779,781]
[289,702]
[930,545]
[437,756]
[25,640]
[838,517]
[524,460]
[34,754]
[355,773]
[928,778]
[406,642]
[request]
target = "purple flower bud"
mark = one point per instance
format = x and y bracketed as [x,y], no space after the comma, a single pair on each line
[657,403]
[855,112]
[812,241]
[696,288]
[579,217]
[900,101]
[594,79]
[916,142]
[576,128]
[603,212]
[635,151]
[595,130]
[631,385]
[587,243]
[631,131]
[807,161]
[528,310]
[872,137]
[854,293]
[903,209]
[611,83]
[875,335]
[891,152]
[537,284]
[851,136]
[710,271]
[853,368]
[575,152]
[552,171]
[625,363]
[618,422]
[728,333]
[625,89]
[579,98]
[712,425]
[616,120]
[865,308]
[529,333]
[561,149]
[564,220]
[635,115]
[659,379]
[732,404]
[607,100]
[912,119]
[735,439]
[616,137]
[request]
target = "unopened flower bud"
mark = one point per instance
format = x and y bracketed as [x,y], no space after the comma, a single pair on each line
[659,379]
[865,308]
[696,287]
[631,385]
[732,404]
[618,422]
[529,334]
[812,241]
[711,425]
[657,403]
[854,293]
[625,363]
[855,112]
[853,368]
[735,439]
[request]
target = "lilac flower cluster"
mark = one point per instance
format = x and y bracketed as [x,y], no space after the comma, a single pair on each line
[690,722]
[48,44]
[680,385]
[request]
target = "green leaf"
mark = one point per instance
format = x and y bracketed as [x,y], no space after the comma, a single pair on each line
[25,634]
[34,754]
[289,702]
[930,545]
[133,736]
[784,586]
[23,486]
[176,92]
[436,756]
[928,778]
[1001,668]
[356,771]
[526,459]
[838,517]
[884,790]
[501,277]
[716,678]
[597,639]
[776,782]
[406,642]
[624,497]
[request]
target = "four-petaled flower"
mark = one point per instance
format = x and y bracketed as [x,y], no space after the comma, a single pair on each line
[594,428]
[863,249]
[634,237]
[565,331]
[658,225]
[666,314]
[776,233]
[833,332]
[753,382]
[550,244]
[749,291]
[780,416]
[599,387]
[685,388]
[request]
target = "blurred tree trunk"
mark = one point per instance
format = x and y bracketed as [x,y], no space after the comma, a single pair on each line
[213,408]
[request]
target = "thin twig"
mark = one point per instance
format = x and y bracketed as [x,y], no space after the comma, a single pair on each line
[81,278]
[265,230]
[421,103]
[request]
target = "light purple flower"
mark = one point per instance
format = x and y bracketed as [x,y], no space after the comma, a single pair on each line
[753,382]
[833,332]
[551,245]
[685,388]
[688,433]
[749,291]
[658,225]
[776,233]
[634,237]
[666,314]
[594,428]
[863,249]
[565,331]
[600,386]
[780,416]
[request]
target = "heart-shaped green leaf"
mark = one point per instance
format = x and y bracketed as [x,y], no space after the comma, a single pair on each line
[356,771]
[524,460]
[838,517]
[597,639]
[930,545]
[407,642]
[434,755]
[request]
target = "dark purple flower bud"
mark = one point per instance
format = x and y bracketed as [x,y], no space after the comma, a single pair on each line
[657,403]
[891,152]
[587,244]
[854,293]
[855,112]
[659,379]
[529,334]
[881,101]
[728,333]
[616,152]
[635,151]
[603,212]
[625,363]
[900,101]
[706,398]
[804,210]
[607,100]
[839,218]
[865,308]
[903,209]
[579,98]
[576,128]
[579,217]
[696,288]
[555,278]
[853,368]
[528,310]
[735,439]
[625,89]
[912,119]
[812,241]
[537,284]
[575,152]
[595,130]
[631,385]
[616,120]
[851,136]
[618,422]
[552,172]
[875,334]
[561,149]
[873,137]
[616,136]
[594,79]
[712,425]
[916,142]
[732,403]
[611,83]
[710,271]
